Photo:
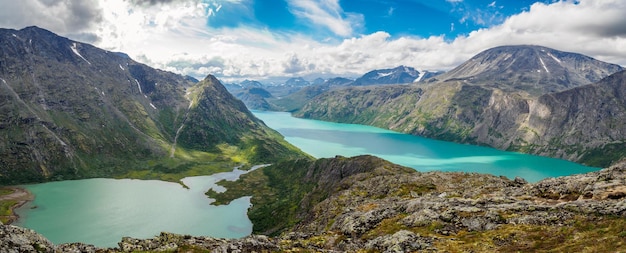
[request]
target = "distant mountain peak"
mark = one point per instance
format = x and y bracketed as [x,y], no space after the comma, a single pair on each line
[297,81]
[398,75]
[536,69]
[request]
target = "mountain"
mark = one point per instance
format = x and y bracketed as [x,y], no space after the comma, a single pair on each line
[245,84]
[251,84]
[71,110]
[297,82]
[338,81]
[255,98]
[296,100]
[535,69]
[318,81]
[581,124]
[426,75]
[398,75]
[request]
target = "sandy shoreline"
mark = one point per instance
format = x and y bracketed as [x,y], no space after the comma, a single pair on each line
[21,195]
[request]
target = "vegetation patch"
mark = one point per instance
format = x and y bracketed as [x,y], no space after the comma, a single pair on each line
[582,234]
[277,192]
[604,156]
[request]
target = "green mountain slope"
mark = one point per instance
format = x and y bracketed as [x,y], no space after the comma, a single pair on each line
[71,110]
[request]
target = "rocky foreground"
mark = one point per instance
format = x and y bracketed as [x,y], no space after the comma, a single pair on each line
[391,209]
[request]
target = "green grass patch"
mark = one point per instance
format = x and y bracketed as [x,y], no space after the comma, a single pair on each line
[5,210]
[386,227]
[5,191]
[5,207]
[604,156]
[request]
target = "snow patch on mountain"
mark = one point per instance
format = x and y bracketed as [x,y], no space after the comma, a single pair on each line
[139,86]
[381,75]
[554,57]
[544,65]
[420,77]
[75,50]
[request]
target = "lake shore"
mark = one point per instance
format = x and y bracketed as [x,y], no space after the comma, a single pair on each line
[12,201]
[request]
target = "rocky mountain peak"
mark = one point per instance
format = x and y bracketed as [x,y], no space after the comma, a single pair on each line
[535,69]
[397,75]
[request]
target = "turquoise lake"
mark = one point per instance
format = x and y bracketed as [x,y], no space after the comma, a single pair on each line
[327,139]
[102,211]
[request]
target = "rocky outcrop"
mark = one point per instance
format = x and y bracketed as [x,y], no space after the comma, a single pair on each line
[363,203]
[17,240]
[390,209]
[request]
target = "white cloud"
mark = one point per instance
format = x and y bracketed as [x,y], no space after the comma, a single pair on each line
[173,35]
[593,27]
[327,13]
[245,52]
[67,17]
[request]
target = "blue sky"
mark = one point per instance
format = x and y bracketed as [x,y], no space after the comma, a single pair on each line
[422,18]
[270,39]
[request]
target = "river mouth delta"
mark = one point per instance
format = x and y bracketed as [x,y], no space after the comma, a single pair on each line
[101,211]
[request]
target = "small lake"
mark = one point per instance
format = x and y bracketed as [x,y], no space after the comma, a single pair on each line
[102,211]
[327,139]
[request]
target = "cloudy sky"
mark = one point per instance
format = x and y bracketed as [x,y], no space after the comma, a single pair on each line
[259,39]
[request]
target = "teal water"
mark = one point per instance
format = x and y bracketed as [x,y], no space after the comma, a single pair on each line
[327,139]
[102,211]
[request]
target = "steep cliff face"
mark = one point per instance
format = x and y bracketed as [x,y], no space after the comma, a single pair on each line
[71,110]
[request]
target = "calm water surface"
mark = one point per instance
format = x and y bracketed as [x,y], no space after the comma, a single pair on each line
[327,139]
[102,211]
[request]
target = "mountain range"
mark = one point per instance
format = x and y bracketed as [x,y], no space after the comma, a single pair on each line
[297,91]
[520,98]
[398,75]
[71,110]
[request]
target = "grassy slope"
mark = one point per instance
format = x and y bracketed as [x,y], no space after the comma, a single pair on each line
[284,192]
